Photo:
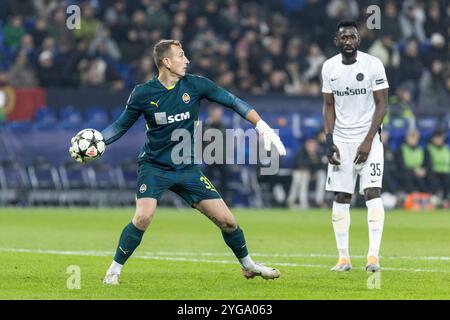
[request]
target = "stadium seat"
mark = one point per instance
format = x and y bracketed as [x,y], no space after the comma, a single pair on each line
[45,183]
[76,181]
[104,176]
[96,118]
[397,129]
[45,119]
[70,119]
[6,153]
[19,126]
[426,126]
[311,125]
[106,185]
[127,174]
[14,183]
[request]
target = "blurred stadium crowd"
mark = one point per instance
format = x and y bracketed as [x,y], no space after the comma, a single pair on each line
[267,48]
[246,46]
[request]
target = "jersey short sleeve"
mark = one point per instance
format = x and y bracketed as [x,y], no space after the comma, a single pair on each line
[379,79]
[326,87]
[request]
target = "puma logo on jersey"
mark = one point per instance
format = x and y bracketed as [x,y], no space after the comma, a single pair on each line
[153,103]
[162,118]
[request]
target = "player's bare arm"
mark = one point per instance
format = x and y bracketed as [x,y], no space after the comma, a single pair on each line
[381,98]
[329,115]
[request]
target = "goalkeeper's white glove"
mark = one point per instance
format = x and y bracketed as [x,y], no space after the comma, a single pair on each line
[270,137]
[75,156]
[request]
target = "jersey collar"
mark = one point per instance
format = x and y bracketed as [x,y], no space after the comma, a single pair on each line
[155,78]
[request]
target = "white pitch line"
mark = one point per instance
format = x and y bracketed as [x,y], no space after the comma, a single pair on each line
[154,256]
[225,254]
[297,255]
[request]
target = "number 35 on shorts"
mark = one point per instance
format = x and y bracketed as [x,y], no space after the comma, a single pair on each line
[375,169]
[208,184]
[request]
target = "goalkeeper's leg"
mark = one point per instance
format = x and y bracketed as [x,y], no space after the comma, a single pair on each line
[220,214]
[131,237]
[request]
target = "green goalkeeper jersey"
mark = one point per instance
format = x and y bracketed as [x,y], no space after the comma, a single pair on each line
[166,110]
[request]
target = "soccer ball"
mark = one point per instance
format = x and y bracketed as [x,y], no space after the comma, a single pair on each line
[89,144]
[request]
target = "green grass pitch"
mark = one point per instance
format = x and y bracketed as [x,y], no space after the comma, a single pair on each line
[183,256]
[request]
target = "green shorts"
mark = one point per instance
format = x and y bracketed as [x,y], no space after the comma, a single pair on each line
[190,184]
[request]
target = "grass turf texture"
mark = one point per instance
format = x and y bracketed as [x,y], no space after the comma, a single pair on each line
[183,256]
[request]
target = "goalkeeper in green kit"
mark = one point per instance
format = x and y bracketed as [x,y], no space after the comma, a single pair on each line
[169,102]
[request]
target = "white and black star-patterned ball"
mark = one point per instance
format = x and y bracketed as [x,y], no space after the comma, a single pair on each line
[89,143]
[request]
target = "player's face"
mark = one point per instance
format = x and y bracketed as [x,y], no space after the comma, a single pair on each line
[347,40]
[178,61]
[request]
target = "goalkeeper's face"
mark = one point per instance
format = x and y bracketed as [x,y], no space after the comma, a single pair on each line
[178,62]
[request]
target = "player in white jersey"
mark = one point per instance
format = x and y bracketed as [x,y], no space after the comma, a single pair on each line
[355,92]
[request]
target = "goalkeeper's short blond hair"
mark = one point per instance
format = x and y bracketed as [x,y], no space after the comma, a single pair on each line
[163,49]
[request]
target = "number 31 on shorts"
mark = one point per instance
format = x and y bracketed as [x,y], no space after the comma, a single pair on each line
[208,184]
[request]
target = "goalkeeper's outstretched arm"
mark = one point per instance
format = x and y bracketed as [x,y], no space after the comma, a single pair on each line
[217,94]
[117,129]
[128,117]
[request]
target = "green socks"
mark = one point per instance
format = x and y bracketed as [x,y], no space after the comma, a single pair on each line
[131,237]
[236,241]
[129,240]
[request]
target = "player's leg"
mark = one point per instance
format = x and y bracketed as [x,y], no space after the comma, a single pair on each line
[375,220]
[341,179]
[151,184]
[131,237]
[341,225]
[218,212]
[370,184]
[200,193]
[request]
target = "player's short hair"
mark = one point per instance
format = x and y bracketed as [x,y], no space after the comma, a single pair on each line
[346,23]
[162,49]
